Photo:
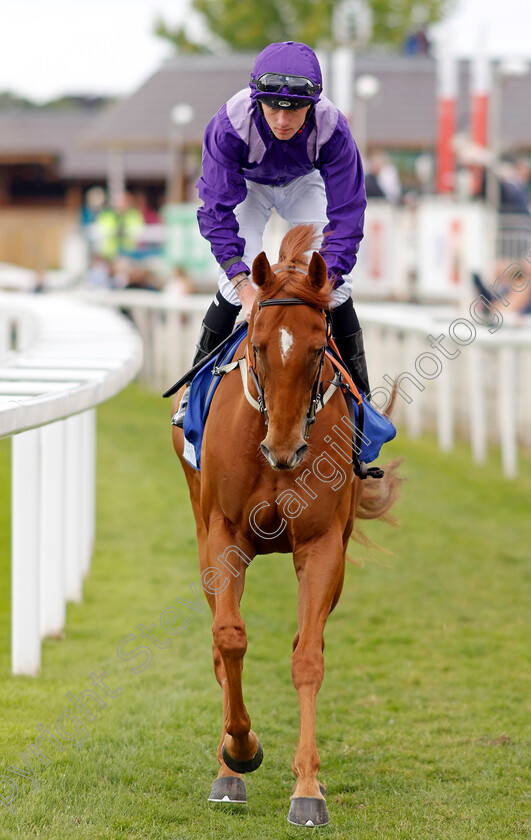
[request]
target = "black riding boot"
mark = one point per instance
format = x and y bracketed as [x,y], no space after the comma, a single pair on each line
[218,323]
[348,336]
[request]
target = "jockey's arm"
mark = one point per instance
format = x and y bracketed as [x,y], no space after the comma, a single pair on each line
[342,172]
[245,291]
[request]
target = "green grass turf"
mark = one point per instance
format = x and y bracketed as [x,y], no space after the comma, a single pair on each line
[423,717]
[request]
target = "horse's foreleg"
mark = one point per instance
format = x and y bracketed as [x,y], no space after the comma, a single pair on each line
[241,750]
[320,569]
[221,676]
[228,786]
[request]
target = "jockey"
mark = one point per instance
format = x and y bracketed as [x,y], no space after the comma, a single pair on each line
[283,146]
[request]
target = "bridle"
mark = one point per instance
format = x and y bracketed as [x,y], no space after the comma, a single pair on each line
[315,395]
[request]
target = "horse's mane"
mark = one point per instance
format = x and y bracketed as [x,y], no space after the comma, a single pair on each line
[294,252]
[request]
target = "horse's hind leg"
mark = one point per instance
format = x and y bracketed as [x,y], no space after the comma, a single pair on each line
[241,750]
[320,569]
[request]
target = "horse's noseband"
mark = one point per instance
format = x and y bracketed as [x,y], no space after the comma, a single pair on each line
[315,397]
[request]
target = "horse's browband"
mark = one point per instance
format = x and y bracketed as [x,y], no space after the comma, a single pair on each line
[283,302]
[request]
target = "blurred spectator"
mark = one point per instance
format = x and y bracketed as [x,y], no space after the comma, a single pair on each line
[417,43]
[95,200]
[513,186]
[513,178]
[149,213]
[118,228]
[148,246]
[382,179]
[523,169]
[372,187]
[514,288]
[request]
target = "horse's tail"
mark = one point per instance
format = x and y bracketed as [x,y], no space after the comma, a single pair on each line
[380,494]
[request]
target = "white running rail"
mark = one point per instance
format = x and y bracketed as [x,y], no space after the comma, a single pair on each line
[58,360]
[479,391]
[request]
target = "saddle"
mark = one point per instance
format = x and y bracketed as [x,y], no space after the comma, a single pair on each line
[365,428]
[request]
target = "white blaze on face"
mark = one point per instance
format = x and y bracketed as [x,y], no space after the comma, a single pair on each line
[286,341]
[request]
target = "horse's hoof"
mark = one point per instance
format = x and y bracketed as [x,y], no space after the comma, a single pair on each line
[308,811]
[243,766]
[228,789]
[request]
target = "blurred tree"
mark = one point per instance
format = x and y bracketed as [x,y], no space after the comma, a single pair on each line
[72,101]
[68,102]
[13,100]
[179,38]
[319,23]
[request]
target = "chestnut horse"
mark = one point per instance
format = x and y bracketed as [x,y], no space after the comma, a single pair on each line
[263,488]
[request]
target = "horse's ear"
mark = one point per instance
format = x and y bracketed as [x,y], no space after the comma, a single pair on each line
[261,270]
[317,271]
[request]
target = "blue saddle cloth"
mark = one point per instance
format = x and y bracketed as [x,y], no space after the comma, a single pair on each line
[202,390]
[377,429]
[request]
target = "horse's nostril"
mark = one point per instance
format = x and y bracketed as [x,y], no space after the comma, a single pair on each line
[300,453]
[265,451]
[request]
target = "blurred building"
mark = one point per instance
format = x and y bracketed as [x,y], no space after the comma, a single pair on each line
[45,173]
[401,119]
[49,159]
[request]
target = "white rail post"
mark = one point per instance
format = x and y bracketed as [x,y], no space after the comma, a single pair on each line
[25,622]
[74,568]
[507,395]
[413,411]
[140,318]
[445,410]
[476,404]
[91,463]
[52,556]
[85,487]
[64,358]
[158,328]
[174,332]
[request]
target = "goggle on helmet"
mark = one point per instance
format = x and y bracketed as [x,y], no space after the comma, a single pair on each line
[286,75]
[291,91]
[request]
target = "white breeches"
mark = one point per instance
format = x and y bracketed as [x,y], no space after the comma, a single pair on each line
[302,201]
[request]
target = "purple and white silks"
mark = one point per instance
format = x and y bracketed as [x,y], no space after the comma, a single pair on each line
[240,149]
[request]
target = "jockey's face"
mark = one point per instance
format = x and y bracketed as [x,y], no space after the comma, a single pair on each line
[285,122]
